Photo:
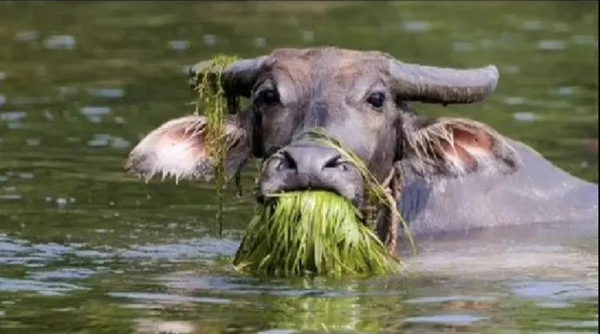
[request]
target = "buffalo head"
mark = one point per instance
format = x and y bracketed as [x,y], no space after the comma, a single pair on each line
[359,98]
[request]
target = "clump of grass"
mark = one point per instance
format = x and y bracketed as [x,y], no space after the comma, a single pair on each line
[376,193]
[212,97]
[312,232]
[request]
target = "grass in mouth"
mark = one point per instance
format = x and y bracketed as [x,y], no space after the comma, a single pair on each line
[312,232]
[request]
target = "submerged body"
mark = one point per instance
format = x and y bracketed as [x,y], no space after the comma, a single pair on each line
[538,192]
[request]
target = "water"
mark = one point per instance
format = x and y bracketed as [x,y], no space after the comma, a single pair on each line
[85,249]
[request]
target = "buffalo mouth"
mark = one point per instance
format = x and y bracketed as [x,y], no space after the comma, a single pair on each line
[311,232]
[308,166]
[271,200]
[355,197]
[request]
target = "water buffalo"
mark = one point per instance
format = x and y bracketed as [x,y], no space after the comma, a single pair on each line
[451,174]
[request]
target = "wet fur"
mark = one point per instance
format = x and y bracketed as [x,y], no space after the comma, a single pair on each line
[454,147]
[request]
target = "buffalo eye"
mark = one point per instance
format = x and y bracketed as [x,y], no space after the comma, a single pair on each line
[268,97]
[376,99]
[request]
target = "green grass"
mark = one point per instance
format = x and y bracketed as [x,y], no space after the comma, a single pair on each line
[375,192]
[212,96]
[312,233]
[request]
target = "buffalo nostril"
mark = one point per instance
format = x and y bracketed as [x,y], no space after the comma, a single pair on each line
[335,162]
[286,161]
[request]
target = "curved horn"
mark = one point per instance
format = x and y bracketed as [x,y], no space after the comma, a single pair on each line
[443,85]
[238,78]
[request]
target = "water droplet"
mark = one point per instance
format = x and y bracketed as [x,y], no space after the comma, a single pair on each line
[566,91]
[95,111]
[11,197]
[561,27]
[185,69]
[33,141]
[462,46]
[48,115]
[12,116]
[511,69]
[67,91]
[179,45]
[513,101]
[308,36]
[209,40]
[260,42]
[585,40]
[95,119]
[61,202]
[524,116]
[58,42]
[119,143]
[416,26]
[551,45]
[110,93]
[26,176]
[562,104]
[292,20]
[590,18]
[445,319]
[27,36]
[487,44]
[100,140]
[532,25]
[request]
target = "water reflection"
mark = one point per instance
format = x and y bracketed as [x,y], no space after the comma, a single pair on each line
[57,42]
[13,116]
[110,93]
[27,36]
[416,26]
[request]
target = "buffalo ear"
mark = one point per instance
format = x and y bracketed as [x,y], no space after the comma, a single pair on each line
[179,149]
[456,147]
